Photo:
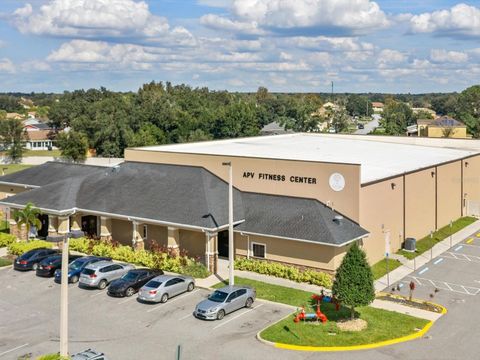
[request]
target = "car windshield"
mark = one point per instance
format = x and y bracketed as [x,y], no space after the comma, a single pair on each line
[218,296]
[153,284]
[130,276]
[76,265]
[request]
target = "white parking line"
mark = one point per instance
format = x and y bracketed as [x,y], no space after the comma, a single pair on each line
[458,247]
[99,293]
[17,348]
[436,262]
[186,316]
[236,317]
[171,301]
[467,290]
[127,300]
[424,270]
[457,256]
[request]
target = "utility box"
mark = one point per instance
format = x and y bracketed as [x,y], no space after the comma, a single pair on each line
[410,244]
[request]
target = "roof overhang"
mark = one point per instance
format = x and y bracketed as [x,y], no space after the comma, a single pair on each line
[241,232]
[26,186]
[68,212]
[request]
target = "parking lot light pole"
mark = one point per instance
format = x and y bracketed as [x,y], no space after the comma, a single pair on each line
[64,300]
[231,279]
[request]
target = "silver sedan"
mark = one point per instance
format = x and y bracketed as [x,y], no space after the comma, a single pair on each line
[224,301]
[164,287]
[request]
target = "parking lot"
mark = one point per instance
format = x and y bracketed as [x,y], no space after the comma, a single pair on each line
[126,329]
[123,328]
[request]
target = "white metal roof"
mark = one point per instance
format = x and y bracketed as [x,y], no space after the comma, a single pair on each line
[378,158]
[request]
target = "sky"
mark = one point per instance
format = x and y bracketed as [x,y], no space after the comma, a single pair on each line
[284,45]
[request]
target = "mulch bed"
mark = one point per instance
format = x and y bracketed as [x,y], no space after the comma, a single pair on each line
[423,305]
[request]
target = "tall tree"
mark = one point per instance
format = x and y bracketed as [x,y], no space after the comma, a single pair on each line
[468,109]
[28,217]
[396,117]
[73,145]
[358,105]
[353,283]
[13,137]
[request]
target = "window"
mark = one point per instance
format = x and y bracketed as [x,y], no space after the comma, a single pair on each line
[170,282]
[241,292]
[258,250]
[232,296]
[145,232]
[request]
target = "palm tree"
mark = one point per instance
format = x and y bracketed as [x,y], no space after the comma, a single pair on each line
[29,217]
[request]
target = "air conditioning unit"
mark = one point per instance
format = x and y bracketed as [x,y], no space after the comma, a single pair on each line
[410,244]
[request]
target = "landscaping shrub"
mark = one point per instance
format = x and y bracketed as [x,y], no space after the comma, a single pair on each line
[6,239]
[18,248]
[160,258]
[52,357]
[284,271]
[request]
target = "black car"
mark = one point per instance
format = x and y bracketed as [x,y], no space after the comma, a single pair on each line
[31,259]
[47,267]
[361,126]
[132,281]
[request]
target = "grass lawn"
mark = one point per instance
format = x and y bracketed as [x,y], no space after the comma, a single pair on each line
[5,262]
[11,168]
[382,325]
[55,153]
[380,268]
[280,294]
[426,243]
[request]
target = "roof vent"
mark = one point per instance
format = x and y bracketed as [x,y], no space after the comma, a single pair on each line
[338,219]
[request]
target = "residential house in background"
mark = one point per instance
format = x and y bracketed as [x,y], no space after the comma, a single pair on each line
[377,106]
[39,135]
[442,127]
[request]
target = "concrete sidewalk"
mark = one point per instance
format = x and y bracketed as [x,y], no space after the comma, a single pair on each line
[407,310]
[411,265]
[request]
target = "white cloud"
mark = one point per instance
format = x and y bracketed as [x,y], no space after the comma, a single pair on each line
[221,23]
[389,56]
[461,19]
[444,56]
[88,19]
[348,16]
[6,65]
[102,53]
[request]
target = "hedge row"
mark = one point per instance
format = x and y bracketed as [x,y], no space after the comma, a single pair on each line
[284,271]
[18,248]
[6,239]
[150,259]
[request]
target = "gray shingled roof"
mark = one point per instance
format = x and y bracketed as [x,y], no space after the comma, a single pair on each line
[184,195]
[49,173]
[296,218]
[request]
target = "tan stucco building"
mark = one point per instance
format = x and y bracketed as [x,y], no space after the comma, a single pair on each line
[300,199]
[442,127]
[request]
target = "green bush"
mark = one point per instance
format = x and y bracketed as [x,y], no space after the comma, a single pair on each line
[6,239]
[284,271]
[153,260]
[18,248]
[52,357]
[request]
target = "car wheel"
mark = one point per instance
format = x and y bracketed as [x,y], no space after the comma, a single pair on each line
[248,303]
[129,292]
[74,279]
[35,267]
[220,314]
[164,298]
[102,284]
[190,287]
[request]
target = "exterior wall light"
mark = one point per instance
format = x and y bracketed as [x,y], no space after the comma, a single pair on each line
[393,185]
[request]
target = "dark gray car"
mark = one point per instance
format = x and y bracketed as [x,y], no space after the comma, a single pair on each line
[224,301]
[102,273]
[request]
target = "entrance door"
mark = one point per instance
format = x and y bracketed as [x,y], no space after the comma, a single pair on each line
[223,244]
[89,225]
[43,232]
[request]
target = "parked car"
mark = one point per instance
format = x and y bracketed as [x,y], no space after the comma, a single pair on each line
[361,126]
[164,287]
[31,259]
[89,354]
[76,267]
[47,266]
[133,280]
[102,273]
[224,301]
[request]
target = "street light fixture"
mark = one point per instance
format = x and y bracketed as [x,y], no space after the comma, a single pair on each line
[231,280]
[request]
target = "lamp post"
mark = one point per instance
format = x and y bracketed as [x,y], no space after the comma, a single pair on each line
[64,299]
[231,280]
